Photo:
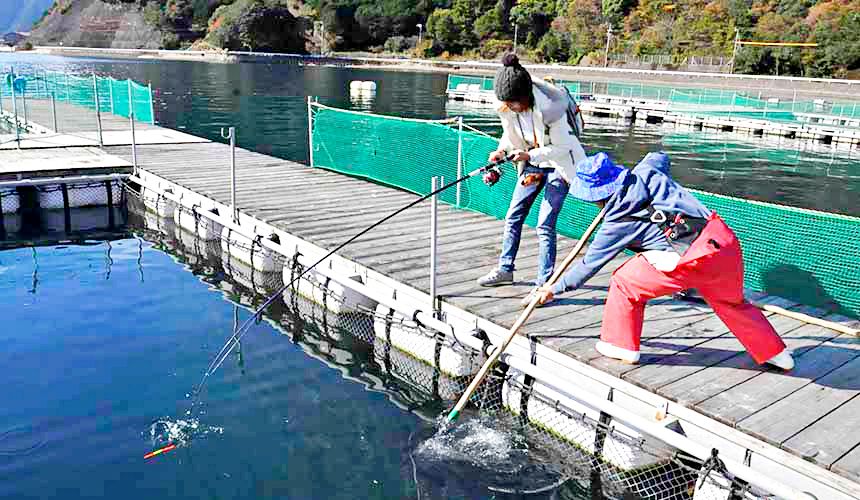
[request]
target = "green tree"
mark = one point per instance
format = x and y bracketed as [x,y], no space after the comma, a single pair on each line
[533,18]
[553,47]
[615,10]
[491,23]
[443,27]
[836,28]
[583,23]
[266,29]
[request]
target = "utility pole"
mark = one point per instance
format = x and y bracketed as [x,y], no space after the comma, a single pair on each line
[735,49]
[516,28]
[420,32]
[608,39]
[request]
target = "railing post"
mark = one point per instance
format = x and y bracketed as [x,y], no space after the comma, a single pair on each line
[24,101]
[98,110]
[15,112]
[151,105]
[54,112]
[310,131]
[435,181]
[231,134]
[459,156]
[110,90]
[131,122]
[233,174]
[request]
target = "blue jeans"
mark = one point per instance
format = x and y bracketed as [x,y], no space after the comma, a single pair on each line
[521,202]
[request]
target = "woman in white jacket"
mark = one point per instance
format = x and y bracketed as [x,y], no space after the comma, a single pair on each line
[546,149]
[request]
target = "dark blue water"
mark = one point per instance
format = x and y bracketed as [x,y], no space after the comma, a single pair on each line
[101,340]
[104,342]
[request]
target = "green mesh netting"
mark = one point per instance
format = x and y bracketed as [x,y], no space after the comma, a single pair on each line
[113,95]
[462,83]
[803,255]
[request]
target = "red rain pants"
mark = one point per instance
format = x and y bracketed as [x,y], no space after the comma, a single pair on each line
[714,266]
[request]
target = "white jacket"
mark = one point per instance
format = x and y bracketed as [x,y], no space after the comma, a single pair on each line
[558,146]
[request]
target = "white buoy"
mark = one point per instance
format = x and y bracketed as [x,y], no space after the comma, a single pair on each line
[415,373]
[362,87]
[255,281]
[561,418]
[197,250]
[321,290]
[203,227]
[10,201]
[153,222]
[249,251]
[157,203]
[452,362]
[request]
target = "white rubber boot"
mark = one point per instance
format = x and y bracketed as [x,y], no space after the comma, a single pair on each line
[623,355]
[782,360]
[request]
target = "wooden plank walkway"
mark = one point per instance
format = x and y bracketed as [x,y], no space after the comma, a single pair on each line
[78,126]
[688,354]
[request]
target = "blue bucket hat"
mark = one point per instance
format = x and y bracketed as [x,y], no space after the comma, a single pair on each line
[597,178]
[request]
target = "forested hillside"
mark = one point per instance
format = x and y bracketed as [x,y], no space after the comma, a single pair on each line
[572,31]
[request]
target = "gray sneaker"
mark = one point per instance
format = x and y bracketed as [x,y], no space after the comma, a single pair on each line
[497,277]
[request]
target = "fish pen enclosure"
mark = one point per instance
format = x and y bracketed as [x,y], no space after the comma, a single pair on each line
[524,433]
[815,250]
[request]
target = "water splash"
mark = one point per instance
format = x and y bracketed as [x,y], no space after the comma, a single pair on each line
[179,432]
[480,441]
[481,453]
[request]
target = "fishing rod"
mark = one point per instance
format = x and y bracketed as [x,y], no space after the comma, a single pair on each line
[493,173]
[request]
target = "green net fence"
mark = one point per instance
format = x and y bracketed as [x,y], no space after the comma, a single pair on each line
[119,97]
[464,83]
[721,102]
[812,256]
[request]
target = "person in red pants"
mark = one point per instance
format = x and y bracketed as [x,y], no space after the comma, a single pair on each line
[680,245]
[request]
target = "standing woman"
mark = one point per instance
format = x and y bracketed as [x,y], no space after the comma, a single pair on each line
[546,151]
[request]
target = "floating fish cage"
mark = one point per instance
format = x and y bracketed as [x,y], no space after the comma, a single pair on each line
[62,206]
[426,368]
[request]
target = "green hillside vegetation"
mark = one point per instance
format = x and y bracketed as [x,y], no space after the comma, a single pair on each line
[567,31]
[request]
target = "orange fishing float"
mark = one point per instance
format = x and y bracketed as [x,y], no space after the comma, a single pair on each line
[159,451]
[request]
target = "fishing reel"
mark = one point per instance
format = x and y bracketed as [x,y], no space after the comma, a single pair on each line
[493,171]
[492,176]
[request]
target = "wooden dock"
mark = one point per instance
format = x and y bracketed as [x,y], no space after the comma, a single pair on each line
[688,355]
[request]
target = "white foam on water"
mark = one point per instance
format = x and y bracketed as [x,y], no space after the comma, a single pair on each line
[473,441]
[179,432]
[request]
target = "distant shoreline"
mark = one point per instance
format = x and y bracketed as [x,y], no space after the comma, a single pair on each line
[771,86]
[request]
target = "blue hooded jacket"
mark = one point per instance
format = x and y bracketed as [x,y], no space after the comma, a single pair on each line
[650,179]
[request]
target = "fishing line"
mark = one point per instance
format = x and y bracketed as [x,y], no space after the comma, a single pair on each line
[224,353]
